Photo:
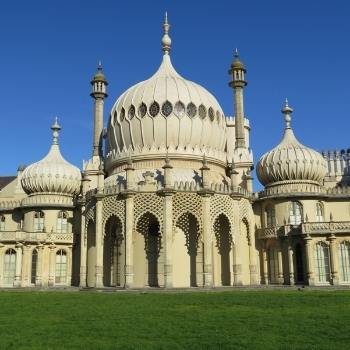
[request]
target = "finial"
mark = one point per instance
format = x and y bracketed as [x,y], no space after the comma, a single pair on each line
[287,111]
[55,131]
[236,54]
[166,41]
[99,67]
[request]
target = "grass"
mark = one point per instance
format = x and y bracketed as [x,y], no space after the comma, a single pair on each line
[221,320]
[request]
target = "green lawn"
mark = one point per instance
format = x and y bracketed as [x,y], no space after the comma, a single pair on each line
[271,319]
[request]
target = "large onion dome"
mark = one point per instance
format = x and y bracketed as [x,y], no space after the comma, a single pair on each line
[52,174]
[290,160]
[165,114]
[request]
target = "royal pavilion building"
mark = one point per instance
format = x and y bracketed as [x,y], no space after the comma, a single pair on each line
[167,199]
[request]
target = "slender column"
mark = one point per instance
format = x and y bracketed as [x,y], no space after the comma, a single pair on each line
[291,264]
[18,275]
[168,237]
[99,244]
[252,265]
[129,223]
[265,267]
[52,265]
[83,249]
[2,250]
[237,268]
[69,266]
[334,260]
[280,264]
[26,268]
[39,268]
[207,238]
[98,125]
[309,261]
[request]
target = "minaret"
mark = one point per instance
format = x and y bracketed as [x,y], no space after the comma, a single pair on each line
[238,83]
[99,93]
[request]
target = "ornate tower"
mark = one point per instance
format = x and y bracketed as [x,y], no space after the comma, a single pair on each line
[99,93]
[239,154]
[238,83]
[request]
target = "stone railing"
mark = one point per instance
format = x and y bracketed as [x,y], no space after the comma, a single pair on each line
[267,232]
[42,237]
[326,227]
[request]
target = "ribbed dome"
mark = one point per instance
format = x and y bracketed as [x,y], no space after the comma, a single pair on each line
[290,160]
[165,111]
[52,174]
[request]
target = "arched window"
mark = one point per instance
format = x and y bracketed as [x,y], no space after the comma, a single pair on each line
[61,267]
[2,223]
[322,262]
[273,265]
[62,222]
[344,261]
[319,212]
[295,213]
[39,221]
[270,216]
[34,266]
[9,266]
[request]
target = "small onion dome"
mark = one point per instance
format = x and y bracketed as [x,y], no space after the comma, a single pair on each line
[290,160]
[99,75]
[237,64]
[52,174]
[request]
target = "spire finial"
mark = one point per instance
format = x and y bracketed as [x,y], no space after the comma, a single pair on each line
[55,127]
[99,67]
[166,41]
[236,53]
[287,111]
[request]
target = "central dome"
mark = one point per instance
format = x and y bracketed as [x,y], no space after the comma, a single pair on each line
[166,113]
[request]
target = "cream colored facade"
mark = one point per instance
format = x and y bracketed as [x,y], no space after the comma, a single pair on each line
[167,199]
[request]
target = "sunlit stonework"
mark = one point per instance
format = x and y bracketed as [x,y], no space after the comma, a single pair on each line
[167,199]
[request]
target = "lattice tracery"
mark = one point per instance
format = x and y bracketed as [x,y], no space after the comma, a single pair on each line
[222,204]
[187,203]
[148,202]
[188,223]
[113,206]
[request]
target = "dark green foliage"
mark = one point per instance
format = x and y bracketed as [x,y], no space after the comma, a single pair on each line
[214,320]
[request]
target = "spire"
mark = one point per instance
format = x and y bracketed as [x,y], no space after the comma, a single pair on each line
[55,127]
[166,40]
[287,111]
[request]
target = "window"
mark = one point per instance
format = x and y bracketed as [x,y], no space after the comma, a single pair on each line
[319,212]
[34,266]
[273,265]
[61,267]
[39,221]
[295,213]
[62,222]
[9,267]
[270,216]
[2,223]
[344,261]
[322,271]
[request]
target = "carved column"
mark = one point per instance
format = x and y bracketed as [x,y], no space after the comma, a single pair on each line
[168,237]
[207,238]
[129,226]
[26,266]
[39,267]
[18,275]
[69,265]
[280,264]
[52,265]
[291,264]
[83,249]
[99,242]
[334,260]
[237,268]
[309,261]
[2,250]
[252,263]
[265,271]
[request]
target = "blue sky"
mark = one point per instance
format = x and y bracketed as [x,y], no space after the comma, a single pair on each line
[50,49]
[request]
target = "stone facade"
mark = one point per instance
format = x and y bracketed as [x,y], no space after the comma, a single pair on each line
[170,202]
